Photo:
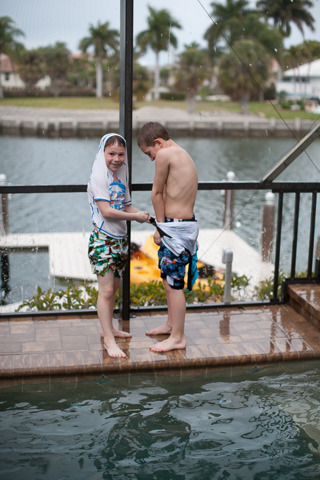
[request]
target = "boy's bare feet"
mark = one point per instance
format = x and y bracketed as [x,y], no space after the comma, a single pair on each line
[163,330]
[110,345]
[169,344]
[114,351]
[117,333]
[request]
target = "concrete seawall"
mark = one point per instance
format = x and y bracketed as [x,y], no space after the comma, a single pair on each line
[95,123]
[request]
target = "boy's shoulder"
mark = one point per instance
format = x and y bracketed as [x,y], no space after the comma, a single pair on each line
[171,151]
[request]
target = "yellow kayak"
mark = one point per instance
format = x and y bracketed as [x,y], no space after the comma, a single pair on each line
[144,265]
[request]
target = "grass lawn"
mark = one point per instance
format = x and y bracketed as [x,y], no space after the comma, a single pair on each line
[265,109]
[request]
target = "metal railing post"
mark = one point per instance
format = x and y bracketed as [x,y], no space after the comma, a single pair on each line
[126,69]
[295,235]
[4,230]
[278,243]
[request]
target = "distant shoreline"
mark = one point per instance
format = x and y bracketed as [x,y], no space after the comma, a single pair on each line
[59,123]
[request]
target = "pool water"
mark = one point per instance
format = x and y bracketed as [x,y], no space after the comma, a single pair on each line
[254,423]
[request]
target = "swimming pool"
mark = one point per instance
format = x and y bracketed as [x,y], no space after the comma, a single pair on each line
[254,423]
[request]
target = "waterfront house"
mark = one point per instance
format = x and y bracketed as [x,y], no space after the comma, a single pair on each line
[302,81]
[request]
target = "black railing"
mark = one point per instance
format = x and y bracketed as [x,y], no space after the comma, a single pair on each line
[279,188]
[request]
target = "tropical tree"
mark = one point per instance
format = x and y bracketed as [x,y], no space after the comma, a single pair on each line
[32,66]
[193,69]
[286,12]
[311,50]
[82,72]
[8,42]
[254,28]
[158,37]
[244,73]
[140,81]
[228,17]
[57,63]
[103,39]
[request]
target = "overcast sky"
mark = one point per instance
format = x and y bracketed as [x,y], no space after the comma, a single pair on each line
[45,22]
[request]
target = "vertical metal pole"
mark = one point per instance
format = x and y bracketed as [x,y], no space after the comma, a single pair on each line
[126,68]
[4,230]
[278,242]
[312,232]
[295,236]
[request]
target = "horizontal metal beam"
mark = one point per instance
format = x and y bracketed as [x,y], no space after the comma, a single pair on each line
[43,188]
[293,154]
[146,187]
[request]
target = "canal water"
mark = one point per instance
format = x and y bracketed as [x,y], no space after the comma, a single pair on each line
[242,423]
[68,161]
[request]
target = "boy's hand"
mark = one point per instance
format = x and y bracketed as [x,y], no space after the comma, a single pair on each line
[157,238]
[142,217]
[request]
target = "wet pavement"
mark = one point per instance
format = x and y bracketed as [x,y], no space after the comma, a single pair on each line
[38,346]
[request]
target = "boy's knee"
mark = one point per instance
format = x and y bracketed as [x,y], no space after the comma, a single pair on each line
[107,292]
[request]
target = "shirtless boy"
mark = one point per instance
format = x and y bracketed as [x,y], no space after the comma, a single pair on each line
[173,197]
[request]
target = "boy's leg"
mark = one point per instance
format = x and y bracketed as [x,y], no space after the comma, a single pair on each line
[165,329]
[175,324]
[108,285]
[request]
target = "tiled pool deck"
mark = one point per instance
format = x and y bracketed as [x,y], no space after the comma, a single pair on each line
[31,347]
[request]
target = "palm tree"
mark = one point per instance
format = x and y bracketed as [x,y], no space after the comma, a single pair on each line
[253,28]
[102,39]
[242,74]
[228,18]
[193,69]
[8,43]
[285,12]
[158,37]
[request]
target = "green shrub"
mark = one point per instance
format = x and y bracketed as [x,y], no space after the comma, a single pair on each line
[264,290]
[84,295]
[172,96]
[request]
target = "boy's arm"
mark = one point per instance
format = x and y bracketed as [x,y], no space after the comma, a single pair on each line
[130,213]
[159,184]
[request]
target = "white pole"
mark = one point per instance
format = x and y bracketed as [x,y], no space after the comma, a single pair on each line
[227,257]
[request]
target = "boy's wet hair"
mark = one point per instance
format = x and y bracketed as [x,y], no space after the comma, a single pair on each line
[149,132]
[115,139]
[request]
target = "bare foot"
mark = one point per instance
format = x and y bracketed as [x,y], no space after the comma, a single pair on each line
[117,333]
[163,330]
[114,351]
[169,344]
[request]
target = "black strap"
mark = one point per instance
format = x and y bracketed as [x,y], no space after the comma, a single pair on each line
[162,233]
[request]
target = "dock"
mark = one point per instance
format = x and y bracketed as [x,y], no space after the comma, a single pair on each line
[55,123]
[68,252]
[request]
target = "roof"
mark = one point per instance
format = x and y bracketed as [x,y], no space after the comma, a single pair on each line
[307,70]
[6,64]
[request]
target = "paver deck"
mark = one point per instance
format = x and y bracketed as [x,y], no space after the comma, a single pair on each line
[59,345]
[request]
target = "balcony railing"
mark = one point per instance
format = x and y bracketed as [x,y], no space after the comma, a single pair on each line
[280,189]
